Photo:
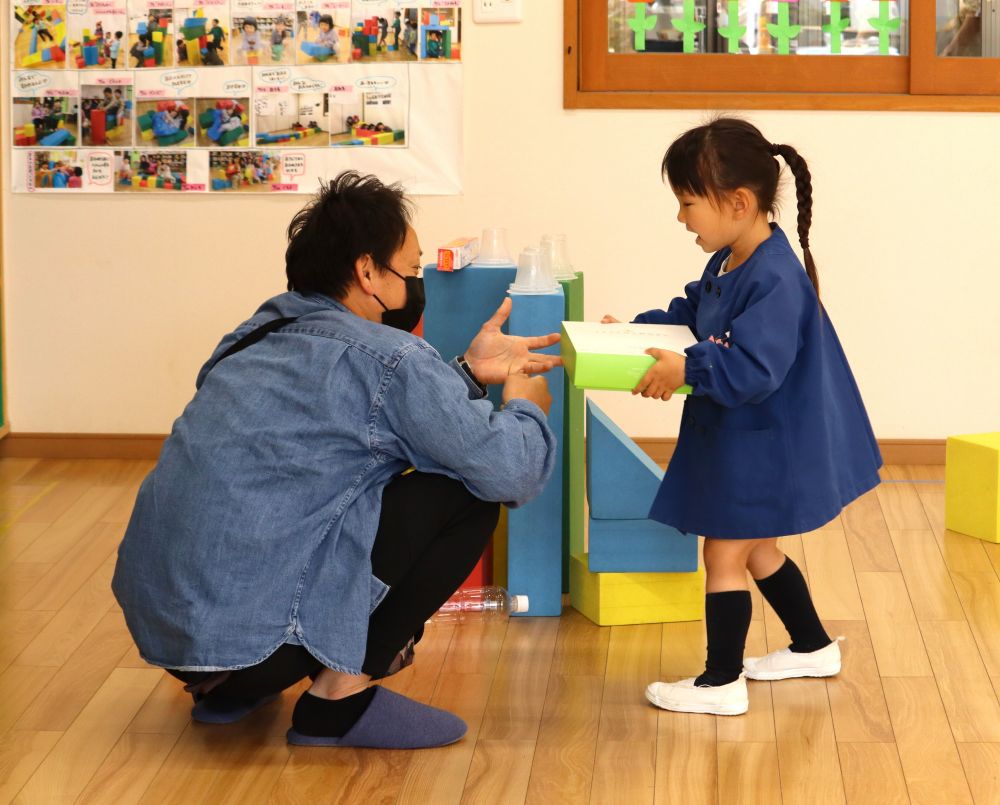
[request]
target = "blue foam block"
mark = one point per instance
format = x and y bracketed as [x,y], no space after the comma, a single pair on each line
[58,137]
[534,531]
[640,546]
[458,302]
[621,479]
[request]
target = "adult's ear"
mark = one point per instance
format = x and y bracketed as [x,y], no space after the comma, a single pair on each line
[364,267]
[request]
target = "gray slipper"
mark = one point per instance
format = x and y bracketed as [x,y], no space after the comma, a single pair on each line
[222,710]
[393,721]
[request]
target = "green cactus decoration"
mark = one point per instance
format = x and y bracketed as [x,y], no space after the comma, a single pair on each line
[835,27]
[689,26]
[640,23]
[782,30]
[733,31]
[884,24]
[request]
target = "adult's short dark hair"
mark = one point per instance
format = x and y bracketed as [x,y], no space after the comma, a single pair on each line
[352,216]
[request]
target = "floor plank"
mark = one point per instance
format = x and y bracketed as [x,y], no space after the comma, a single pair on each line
[807,749]
[868,536]
[748,773]
[965,687]
[857,702]
[926,575]
[831,575]
[931,765]
[899,649]
[20,754]
[981,762]
[82,749]
[872,774]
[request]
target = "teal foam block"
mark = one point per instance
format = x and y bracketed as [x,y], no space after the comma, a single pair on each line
[458,303]
[622,480]
[534,531]
[640,546]
[574,472]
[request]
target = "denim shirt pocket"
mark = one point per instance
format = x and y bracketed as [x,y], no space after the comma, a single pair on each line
[379,590]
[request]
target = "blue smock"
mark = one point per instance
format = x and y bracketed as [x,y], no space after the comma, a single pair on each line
[774,440]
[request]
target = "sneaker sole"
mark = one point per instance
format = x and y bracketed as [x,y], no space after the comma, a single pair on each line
[791,673]
[678,707]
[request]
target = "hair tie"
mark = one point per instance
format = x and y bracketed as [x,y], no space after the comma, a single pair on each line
[775,149]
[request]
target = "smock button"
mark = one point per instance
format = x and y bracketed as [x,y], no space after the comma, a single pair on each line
[718,291]
[708,286]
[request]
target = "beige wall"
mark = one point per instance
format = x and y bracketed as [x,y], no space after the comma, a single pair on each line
[112,304]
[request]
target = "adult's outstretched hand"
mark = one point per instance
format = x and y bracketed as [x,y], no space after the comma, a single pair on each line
[493,355]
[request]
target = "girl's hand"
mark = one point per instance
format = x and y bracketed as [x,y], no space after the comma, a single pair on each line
[609,319]
[664,377]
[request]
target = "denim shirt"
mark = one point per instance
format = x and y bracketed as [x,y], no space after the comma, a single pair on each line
[256,526]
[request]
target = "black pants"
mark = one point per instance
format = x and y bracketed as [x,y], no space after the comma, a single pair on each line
[431,533]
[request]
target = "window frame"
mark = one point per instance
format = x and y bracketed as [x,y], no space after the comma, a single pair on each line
[921,81]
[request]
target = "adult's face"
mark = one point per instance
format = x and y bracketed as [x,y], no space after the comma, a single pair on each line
[405,262]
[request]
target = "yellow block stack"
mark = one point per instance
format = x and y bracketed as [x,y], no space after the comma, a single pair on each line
[972,485]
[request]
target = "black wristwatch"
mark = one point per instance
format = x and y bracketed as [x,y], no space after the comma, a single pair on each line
[468,370]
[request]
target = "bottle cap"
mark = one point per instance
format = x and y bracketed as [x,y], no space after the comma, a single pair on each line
[519,603]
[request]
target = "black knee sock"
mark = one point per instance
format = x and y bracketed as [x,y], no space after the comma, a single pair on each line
[329,718]
[786,591]
[727,621]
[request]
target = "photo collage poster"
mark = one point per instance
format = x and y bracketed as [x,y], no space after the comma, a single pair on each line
[233,96]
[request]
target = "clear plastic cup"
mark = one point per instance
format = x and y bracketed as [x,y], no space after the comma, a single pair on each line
[555,245]
[493,248]
[533,277]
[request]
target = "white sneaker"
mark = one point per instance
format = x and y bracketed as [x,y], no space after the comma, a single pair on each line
[787,664]
[684,697]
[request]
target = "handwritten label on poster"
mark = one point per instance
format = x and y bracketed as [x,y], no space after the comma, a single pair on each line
[293,164]
[29,83]
[99,168]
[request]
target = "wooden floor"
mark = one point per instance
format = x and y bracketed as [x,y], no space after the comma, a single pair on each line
[554,706]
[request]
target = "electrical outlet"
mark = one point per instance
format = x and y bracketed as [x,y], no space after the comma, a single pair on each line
[497,11]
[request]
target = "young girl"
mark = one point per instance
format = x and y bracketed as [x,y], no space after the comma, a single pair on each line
[774,438]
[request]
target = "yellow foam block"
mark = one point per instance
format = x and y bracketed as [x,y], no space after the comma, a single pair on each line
[32,58]
[193,51]
[147,135]
[972,485]
[157,36]
[384,138]
[136,180]
[616,599]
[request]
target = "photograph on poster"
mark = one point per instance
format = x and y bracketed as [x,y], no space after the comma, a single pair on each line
[223,122]
[382,30]
[441,34]
[263,33]
[97,38]
[137,171]
[293,119]
[244,171]
[150,39]
[106,115]
[323,32]
[166,123]
[202,34]
[39,37]
[57,170]
[45,120]
[375,117]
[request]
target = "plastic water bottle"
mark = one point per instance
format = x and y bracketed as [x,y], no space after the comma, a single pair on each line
[480,604]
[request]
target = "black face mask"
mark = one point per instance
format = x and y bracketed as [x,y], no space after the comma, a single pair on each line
[408,316]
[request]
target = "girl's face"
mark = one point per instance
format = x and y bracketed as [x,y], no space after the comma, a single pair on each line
[713,222]
[324,27]
[249,28]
